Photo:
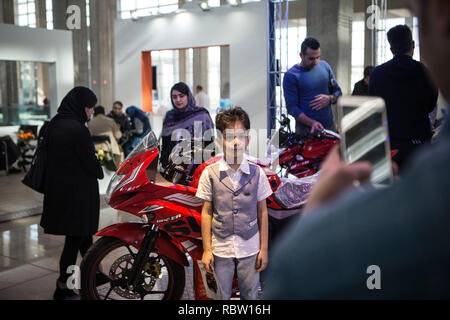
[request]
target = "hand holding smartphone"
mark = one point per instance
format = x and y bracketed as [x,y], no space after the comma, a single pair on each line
[365,135]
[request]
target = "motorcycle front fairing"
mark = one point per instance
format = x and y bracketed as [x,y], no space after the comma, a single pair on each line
[139,189]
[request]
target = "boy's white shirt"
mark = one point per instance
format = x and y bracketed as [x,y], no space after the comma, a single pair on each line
[234,246]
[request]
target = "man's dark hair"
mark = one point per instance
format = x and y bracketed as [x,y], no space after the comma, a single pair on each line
[199,87]
[368,70]
[119,103]
[309,43]
[99,110]
[228,117]
[400,39]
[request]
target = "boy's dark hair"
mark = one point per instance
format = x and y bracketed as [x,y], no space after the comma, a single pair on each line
[199,87]
[228,117]
[119,103]
[309,43]
[368,70]
[400,39]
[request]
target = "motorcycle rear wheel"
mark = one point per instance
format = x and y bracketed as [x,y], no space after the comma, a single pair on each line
[161,279]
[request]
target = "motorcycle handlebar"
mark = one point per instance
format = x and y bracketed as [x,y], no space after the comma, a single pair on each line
[319,135]
[284,121]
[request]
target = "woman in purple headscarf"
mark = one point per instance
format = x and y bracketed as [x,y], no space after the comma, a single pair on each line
[184,115]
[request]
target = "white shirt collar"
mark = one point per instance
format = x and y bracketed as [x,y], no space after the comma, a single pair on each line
[244,167]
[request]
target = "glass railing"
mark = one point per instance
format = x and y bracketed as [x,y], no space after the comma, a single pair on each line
[23,114]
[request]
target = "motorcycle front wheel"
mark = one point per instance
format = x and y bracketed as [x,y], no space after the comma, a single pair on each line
[106,267]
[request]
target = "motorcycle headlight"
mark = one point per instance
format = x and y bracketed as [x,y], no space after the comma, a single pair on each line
[115,180]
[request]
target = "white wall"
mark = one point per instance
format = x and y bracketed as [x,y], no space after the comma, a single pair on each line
[243,28]
[42,45]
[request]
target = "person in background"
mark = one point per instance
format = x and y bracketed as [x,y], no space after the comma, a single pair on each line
[390,243]
[405,86]
[119,117]
[362,86]
[201,98]
[310,89]
[46,103]
[140,127]
[12,152]
[71,194]
[184,115]
[102,125]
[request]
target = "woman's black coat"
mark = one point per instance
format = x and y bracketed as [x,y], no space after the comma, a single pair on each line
[71,197]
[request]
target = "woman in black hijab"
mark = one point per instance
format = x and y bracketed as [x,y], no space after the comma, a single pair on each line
[71,196]
[185,115]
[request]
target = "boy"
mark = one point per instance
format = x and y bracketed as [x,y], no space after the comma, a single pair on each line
[234,215]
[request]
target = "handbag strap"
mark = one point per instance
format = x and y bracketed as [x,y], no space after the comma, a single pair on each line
[43,142]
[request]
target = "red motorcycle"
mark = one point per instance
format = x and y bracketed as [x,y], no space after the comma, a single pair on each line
[146,259]
[298,155]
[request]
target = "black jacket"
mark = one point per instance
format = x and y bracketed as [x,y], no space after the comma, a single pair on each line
[361,89]
[409,95]
[71,197]
[121,120]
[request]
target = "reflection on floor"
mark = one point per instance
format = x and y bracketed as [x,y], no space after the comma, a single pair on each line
[16,199]
[29,259]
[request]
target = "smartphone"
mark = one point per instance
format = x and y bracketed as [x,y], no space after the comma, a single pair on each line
[365,135]
[347,104]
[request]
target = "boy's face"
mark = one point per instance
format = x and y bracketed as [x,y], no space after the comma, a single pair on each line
[235,140]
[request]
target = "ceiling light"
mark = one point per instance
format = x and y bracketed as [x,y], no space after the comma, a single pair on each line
[204,6]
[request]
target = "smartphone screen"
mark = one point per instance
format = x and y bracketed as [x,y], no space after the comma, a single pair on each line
[363,128]
[365,136]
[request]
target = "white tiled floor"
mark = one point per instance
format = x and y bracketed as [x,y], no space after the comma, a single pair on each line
[16,199]
[39,288]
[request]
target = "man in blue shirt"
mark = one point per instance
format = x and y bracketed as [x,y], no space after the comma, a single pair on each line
[309,90]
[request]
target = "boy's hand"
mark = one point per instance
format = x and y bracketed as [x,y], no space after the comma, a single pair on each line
[208,260]
[261,260]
